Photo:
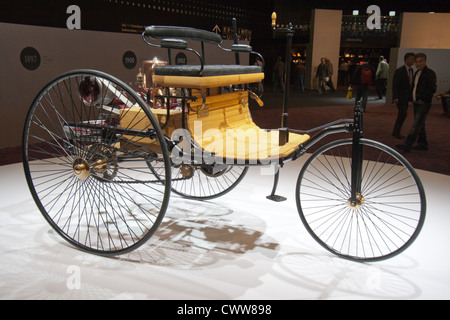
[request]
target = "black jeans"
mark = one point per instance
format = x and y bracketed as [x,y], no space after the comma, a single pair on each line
[361,94]
[402,107]
[418,131]
[381,87]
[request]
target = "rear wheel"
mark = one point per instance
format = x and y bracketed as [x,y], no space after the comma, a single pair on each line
[86,143]
[389,211]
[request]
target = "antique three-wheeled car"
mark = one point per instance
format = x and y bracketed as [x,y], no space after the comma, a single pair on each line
[101,158]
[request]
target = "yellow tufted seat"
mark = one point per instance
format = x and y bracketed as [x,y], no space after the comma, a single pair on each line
[224,127]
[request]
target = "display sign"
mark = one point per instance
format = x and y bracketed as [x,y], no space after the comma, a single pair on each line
[180,59]
[129,60]
[30,58]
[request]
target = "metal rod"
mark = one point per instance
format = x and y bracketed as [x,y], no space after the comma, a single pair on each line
[235,37]
[345,121]
[357,155]
[287,76]
[275,181]
[273,196]
[329,130]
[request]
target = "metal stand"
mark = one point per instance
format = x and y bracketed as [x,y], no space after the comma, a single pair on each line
[273,196]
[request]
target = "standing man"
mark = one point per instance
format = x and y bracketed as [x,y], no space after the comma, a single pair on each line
[424,87]
[401,92]
[381,77]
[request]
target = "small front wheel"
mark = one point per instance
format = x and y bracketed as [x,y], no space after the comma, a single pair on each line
[389,211]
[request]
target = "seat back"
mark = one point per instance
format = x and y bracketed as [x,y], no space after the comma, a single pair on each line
[222,112]
[174,32]
[174,37]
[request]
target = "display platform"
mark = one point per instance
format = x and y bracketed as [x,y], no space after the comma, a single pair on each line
[239,246]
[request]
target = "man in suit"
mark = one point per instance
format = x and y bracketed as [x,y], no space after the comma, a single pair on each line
[401,92]
[424,87]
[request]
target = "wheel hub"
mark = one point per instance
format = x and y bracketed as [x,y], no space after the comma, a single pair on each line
[101,162]
[359,202]
[187,171]
[81,169]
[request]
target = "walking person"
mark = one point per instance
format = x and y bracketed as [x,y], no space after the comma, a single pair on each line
[300,71]
[362,79]
[401,92]
[278,71]
[424,87]
[343,73]
[381,77]
[322,75]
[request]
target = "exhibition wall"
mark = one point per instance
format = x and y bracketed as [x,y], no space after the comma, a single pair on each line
[325,42]
[425,30]
[33,56]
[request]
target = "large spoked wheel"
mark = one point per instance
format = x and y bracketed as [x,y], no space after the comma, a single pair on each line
[390,207]
[86,143]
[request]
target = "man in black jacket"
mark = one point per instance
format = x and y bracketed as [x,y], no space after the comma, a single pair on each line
[401,92]
[423,89]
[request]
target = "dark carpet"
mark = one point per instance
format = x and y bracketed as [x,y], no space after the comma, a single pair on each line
[309,110]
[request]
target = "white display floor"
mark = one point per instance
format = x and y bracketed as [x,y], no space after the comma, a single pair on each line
[239,246]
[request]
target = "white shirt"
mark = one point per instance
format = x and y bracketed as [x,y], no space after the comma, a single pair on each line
[415,84]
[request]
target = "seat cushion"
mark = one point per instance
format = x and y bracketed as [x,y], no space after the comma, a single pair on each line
[208,70]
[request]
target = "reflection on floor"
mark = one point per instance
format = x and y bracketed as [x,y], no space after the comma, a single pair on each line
[239,246]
